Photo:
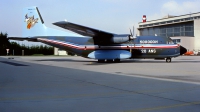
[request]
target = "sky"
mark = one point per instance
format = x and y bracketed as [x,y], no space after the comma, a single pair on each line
[115,16]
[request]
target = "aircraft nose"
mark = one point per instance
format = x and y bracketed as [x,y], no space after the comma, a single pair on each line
[183,50]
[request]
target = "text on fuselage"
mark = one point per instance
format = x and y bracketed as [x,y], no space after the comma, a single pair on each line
[148,50]
[148,41]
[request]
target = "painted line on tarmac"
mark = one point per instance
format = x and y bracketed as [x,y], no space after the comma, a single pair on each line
[178,89]
[55,85]
[12,63]
[165,107]
[156,78]
[76,96]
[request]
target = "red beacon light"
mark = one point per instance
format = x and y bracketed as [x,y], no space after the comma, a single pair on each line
[144,18]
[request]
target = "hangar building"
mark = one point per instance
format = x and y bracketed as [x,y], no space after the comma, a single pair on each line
[183,29]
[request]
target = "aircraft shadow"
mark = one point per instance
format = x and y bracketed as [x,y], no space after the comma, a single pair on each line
[89,62]
[63,60]
[94,62]
[159,61]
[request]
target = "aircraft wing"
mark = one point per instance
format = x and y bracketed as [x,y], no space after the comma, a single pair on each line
[83,30]
[100,37]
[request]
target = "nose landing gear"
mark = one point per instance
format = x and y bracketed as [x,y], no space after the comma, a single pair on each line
[168,60]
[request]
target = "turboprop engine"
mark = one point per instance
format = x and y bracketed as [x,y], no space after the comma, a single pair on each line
[117,39]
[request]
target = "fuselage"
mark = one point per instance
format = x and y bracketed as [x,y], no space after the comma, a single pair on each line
[141,47]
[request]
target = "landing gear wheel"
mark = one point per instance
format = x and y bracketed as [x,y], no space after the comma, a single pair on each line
[101,60]
[168,60]
[109,60]
[116,60]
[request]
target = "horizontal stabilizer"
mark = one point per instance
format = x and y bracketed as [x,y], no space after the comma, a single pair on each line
[22,39]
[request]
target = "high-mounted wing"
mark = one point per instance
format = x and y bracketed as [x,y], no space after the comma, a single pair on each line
[82,30]
[100,37]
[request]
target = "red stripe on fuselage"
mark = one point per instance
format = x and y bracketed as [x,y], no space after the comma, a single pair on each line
[89,47]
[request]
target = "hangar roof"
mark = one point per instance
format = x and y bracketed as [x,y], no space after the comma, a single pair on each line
[169,19]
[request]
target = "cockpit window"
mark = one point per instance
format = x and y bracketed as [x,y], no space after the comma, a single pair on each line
[176,41]
[170,41]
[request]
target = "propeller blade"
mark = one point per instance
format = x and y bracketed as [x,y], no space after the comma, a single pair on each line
[131,32]
[132,39]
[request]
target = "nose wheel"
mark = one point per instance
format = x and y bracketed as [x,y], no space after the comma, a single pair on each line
[168,60]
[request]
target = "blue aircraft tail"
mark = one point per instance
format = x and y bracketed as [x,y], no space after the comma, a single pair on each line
[33,25]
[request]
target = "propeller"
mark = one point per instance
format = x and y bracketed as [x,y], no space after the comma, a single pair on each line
[132,37]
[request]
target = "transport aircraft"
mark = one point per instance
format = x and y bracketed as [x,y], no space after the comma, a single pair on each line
[96,44]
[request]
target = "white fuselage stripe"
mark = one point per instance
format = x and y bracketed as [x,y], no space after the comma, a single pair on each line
[95,47]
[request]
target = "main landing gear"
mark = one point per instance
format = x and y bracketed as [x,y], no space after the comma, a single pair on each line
[109,60]
[168,60]
[116,60]
[101,60]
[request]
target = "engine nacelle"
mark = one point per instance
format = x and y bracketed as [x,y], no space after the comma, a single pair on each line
[117,39]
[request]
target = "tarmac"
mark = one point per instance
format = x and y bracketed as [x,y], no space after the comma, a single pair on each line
[74,84]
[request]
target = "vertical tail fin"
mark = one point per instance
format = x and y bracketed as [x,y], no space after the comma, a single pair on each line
[33,25]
